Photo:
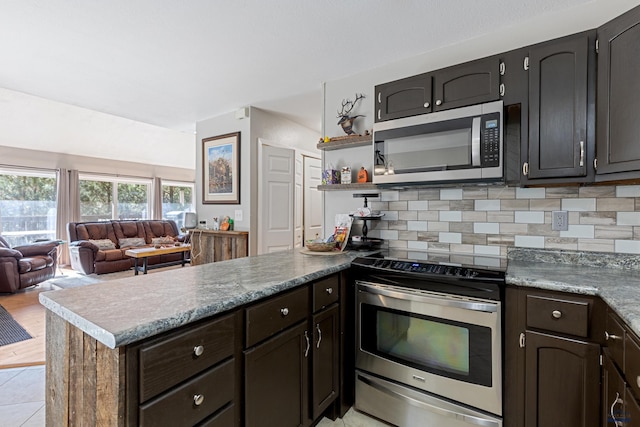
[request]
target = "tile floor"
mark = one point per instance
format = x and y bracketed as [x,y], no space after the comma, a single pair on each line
[22,401]
[22,397]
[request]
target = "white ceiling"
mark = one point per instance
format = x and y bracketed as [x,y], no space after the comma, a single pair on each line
[171,63]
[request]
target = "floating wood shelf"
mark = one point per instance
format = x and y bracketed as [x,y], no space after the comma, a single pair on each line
[343,187]
[345,142]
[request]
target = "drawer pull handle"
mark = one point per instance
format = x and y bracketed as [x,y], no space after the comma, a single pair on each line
[306,337]
[319,335]
[608,336]
[198,399]
[611,412]
[329,290]
[638,381]
[556,314]
[198,350]
[284,311]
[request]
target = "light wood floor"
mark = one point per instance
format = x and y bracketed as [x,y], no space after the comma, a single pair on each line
[26,310]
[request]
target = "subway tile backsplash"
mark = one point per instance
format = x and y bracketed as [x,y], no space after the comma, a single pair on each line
[487,220]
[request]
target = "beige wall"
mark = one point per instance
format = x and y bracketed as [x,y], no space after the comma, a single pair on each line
[11,156]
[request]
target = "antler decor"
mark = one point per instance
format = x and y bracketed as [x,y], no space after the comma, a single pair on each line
[346,121]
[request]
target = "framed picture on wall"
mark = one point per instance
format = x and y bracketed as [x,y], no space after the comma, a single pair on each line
[221,169]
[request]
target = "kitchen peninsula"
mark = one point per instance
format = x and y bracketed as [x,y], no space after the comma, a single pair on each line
[113,347]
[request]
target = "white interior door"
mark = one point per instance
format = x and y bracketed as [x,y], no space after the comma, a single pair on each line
[298,200]
[276,199]
[312,198]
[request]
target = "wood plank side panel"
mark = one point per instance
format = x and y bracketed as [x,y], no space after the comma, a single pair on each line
[110,390]
[57,371]
[89,382]
[76,377]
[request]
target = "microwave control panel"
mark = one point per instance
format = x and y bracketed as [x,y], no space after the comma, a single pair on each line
[491,133]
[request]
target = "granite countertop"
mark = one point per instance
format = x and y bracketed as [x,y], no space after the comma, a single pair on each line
[613,277]
[124,311]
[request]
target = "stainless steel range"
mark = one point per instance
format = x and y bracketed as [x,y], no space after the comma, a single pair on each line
[429,342]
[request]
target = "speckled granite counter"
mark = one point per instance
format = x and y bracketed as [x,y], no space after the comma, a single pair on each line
[613,277]
[121,312]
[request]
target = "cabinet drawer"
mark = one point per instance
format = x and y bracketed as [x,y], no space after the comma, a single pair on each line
[557,315]
[615,340]
[325,292]
[632,364]
[178,406]
[170,360]
[222,419]
[277,313]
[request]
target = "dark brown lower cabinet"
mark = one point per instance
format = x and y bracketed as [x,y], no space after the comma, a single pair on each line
[325,359]
[276,375]
[562,381]
[613,389]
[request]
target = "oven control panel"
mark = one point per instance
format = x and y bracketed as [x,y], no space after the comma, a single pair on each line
[429,268]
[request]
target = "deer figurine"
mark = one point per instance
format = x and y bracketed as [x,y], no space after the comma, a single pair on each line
[346,121]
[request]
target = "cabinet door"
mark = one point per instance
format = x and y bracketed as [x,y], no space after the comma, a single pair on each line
[325,359]
[562,382]
[466,84]
[612,393]
[618,101]
[276,380]
[403,98]
[558,87]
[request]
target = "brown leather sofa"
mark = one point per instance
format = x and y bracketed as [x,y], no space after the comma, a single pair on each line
[26,265]
[99,247]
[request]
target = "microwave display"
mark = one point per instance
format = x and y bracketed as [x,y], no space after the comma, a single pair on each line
[463,144]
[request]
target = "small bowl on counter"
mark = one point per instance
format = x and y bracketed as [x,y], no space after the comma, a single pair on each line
[320,246]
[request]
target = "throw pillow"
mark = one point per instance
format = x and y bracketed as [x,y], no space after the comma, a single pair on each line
[103,244]
[131,242]
[162,240]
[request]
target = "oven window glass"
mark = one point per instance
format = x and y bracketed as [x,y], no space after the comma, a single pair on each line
[443,347]
[446,348]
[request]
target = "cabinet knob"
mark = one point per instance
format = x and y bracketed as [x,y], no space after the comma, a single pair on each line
[638,381]
[284,311]
[438,102]
[198,350]
[198,399]
[426,105]
[329,290]
[556,314]
[608,336]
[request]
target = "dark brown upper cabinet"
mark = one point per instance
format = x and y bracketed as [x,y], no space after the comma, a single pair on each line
[561,138]
[403,98]
[618,142]
[470,83]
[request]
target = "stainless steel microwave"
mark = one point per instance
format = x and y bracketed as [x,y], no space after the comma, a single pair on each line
[460,145]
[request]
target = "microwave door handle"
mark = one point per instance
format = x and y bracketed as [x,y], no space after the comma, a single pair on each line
[475,142]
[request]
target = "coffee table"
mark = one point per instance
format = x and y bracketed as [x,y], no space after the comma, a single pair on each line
[144,254]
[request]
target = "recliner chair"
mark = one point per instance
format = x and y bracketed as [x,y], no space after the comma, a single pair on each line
[26,265]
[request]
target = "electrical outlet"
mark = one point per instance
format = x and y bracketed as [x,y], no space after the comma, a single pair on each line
[560,220]
[238,215]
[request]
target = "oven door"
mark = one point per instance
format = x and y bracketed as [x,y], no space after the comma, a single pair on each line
[443,344]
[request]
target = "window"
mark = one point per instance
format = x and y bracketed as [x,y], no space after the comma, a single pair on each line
[27,205]
[177,198]
[103,198]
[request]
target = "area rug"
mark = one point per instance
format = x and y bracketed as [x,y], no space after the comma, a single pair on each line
[10,330]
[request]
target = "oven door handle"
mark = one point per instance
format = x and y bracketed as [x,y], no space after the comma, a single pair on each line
[465,418]
[410,295]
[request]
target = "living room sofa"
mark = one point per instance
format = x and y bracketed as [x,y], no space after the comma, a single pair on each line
[99,247]
[26,265]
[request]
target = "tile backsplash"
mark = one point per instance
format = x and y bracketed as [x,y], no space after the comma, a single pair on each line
[486,219]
